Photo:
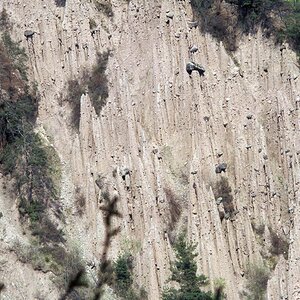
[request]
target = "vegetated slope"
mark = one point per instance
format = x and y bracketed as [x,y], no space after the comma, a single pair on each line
[161,133]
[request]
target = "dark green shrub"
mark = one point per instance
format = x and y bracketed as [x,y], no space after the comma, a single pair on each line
[11,83]
[17,117]
[226,20]
[4,20]
[279,245]
[123,273]
[223,190]
[23,155]
[257,282]
[291,32]
[123,279]
[184,272]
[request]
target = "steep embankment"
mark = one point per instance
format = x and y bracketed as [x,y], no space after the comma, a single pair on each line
[170,130]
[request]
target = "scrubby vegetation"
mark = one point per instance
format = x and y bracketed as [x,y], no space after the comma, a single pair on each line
[104,6]
[279,245]
[228,19]
[258,276]
[123,279]
[16,54]
[222,190]
[32,166]
[26,159]
[184,273]
[4,20]
[95,83]
[259,229]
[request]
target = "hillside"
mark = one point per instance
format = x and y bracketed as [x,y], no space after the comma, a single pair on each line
[116,126]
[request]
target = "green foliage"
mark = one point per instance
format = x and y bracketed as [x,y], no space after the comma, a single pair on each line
[16,120]
[257,282]
[23,155]
[66,265]
[123,279]
[219,285]
[4,20]
[225,20]
[123,274]
[16,53]
[184,272]
[291,31]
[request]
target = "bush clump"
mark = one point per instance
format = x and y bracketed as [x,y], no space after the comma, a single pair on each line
[17,54]
[257,282]
[25,158]
[279,245]
[33,166]
[23,154]
[227,20]
[4,20]
[95,83]
[223,190]
[123,279]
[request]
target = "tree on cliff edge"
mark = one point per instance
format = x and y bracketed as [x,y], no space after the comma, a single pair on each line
[184,271]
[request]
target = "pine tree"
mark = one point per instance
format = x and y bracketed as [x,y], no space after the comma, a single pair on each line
[184,272]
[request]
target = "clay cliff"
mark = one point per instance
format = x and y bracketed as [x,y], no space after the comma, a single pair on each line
[159,142]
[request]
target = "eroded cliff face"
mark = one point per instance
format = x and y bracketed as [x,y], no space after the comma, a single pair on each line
[170,130]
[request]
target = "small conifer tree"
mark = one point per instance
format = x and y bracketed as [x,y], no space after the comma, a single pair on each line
[184,272]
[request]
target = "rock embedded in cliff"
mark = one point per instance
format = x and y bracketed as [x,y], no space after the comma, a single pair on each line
[192,24]
[28,34]
[191,66]
[219,200]
[221,168]
[193,49]
[124,173]
[170,14]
